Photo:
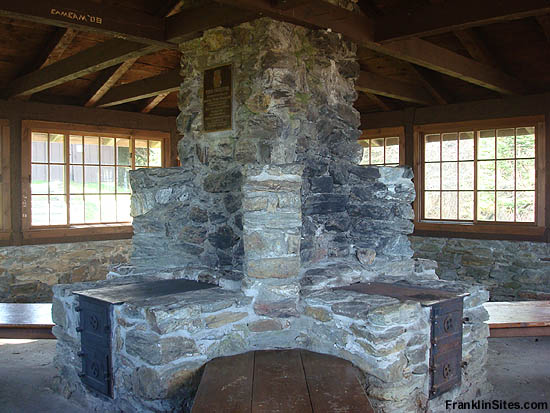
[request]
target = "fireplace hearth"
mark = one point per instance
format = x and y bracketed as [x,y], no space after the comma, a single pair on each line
[276,216]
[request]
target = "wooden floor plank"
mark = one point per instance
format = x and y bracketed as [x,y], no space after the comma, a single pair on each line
[333,385]
[226,385]
[279,383]
[518,314]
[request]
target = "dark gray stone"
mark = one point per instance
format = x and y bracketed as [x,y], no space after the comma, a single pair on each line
[322,184]
[226,181]
[325,204]
[224,238]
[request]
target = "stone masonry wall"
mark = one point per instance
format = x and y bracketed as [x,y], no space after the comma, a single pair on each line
[510,270]
[27,273]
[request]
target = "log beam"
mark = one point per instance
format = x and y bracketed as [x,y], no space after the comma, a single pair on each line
[360,29]
[101,56]
[378,85]
[439,59]
[141,89]
[455,15]
[190,23]
[476,47]
[106,80]
[153,102]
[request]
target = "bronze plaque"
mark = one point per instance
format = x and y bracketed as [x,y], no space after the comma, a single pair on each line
[217,99]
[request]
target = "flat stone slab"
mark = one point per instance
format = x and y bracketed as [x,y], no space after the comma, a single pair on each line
[118,294]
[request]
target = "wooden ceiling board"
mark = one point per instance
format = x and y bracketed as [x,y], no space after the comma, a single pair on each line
[522,50]
[74,88]
[170,59]
[83,41]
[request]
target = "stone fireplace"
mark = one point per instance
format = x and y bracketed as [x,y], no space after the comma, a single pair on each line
[277,214]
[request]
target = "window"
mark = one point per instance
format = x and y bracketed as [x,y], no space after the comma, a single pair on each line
[79,176]
[4,179]
[482,173]
[382,146]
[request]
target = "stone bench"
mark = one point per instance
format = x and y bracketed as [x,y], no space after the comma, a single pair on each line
[280,381]
[21,321]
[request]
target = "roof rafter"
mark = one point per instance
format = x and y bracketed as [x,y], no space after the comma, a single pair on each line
[191,22]
[455,15]
[101,56]
[426,79]
[110,76]
[185,25]
[379,85]
[378,102]
[153,102]
[106,80]
[57,44]
[152,86]
[360,29]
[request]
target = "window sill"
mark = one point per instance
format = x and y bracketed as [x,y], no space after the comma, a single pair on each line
[77,233]
[496,231]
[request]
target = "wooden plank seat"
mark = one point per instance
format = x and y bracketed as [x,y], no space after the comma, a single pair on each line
[519,318]
[32,321]
[280,381]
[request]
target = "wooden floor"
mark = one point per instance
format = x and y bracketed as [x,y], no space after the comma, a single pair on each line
[293,381]
[519,318]
[26,321]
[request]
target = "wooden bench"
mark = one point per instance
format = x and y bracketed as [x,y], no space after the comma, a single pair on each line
[280,381]
[519,318]
[32,321]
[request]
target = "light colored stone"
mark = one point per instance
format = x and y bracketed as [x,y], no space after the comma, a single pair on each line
[283,267]
[320,314]
[219,320]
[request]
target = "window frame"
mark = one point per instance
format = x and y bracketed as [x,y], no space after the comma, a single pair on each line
[516,229]
[5,208]
[391,132]
[79,230]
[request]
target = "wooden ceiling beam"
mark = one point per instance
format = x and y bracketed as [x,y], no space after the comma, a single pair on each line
[106,80]
[86,15]
[360,29]
[378,102]
[118,51]
[475,47]
[110,76]
[153,102]
[53,51]
[455,15]
[191,22]
[142,89]
[439,59]
[101,56]
[57,44]
[425,78]
[379,85]
[315,13]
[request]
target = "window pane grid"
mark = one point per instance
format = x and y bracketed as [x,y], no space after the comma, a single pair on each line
[85,180]
[383,151]
[494,177]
